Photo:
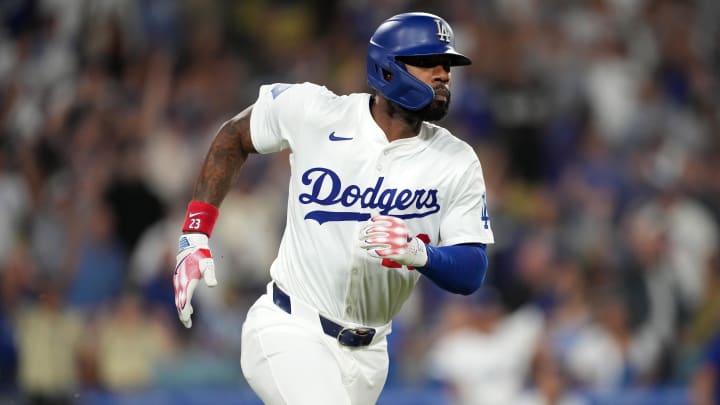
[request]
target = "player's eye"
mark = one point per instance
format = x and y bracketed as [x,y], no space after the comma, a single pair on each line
[428,61]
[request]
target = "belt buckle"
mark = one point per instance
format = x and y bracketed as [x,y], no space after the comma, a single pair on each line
[355,336]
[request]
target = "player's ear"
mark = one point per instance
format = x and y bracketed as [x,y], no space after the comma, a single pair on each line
[387,75]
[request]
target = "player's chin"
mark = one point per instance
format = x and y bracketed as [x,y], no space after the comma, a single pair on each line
[436,110]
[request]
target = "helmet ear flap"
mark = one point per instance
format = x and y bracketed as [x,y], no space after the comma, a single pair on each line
[394,82]
[379,71]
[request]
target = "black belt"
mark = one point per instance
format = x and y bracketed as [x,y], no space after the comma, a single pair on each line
[353,337]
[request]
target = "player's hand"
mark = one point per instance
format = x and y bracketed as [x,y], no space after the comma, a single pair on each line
[194,262]
[388,237]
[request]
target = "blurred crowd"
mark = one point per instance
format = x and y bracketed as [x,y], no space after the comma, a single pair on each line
[597,123]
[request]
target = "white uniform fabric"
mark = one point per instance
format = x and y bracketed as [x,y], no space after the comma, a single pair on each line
[343,170]
[288,359]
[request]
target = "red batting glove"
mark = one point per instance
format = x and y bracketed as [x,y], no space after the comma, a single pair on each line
[388,237]
[194,262]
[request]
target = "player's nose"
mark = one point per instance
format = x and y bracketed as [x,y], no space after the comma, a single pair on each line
[441,73]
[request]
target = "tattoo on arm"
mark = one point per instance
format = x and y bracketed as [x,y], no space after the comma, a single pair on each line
[226,155]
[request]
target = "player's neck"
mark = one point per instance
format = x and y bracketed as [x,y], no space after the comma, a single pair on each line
[396,122]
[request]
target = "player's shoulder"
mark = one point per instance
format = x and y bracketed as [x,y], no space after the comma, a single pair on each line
[284,91]
[312,96]
[307,90]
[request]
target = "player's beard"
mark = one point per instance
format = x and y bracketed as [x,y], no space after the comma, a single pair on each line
[437,109]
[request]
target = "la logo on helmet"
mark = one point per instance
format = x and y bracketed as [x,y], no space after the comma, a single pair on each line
[443,31]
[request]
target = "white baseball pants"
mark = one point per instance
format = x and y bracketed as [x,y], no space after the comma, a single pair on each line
[288,359]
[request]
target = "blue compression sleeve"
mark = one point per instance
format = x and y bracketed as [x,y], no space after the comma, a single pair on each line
[459,269]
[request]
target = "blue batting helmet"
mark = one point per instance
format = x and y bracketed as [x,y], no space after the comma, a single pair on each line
[408,34]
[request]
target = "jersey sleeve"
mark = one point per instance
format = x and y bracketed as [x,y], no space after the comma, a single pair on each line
[467,219]
[277,114]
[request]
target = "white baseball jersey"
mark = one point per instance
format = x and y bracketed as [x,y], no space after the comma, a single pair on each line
[343,169]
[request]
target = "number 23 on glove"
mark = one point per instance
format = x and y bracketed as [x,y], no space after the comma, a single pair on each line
[194,262]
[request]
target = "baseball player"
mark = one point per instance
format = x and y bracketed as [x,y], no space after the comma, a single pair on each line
[378,198]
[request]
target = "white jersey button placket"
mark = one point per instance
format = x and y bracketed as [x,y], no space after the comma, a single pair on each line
[382,159]
[353,292]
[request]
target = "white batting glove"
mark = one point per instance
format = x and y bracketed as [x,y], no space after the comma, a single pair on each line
[194,262]
[388,237]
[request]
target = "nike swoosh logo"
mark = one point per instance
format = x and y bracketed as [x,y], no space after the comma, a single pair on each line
[334,137]
[194,214]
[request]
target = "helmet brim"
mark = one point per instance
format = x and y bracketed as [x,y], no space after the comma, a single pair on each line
[455,59]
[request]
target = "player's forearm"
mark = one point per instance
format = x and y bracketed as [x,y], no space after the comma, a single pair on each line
[459,269]
[224,159]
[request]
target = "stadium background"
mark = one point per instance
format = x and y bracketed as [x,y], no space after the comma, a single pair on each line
[597,123]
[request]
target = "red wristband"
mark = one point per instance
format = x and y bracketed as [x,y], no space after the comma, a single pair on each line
[200,217]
